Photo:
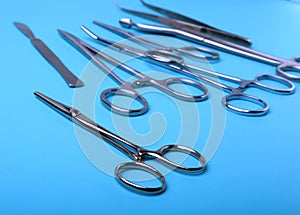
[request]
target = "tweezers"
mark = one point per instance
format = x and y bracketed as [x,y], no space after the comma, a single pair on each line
[188,24]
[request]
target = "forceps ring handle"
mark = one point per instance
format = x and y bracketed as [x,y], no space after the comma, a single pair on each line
[136,187]
[160,155]
[292,65]
[163,151]
[166,83]
[245,97]
[127,91]
[290,87]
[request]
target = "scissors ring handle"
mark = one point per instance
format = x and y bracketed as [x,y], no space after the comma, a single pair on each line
[289,89]
[121,168]
[165,85]
[245,97]
[291,66]
[123,91]
[187,50]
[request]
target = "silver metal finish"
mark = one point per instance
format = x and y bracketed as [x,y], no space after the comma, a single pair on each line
[188,51]
[67,75]
[193,25]
[163,58]
[284,66]
[128,89]
[136,153]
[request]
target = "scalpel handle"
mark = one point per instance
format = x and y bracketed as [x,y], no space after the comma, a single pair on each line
[68,76]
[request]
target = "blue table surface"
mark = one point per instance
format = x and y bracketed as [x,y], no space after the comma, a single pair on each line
[44,169]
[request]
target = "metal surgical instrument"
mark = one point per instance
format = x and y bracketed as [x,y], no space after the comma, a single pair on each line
[185,50]
[136,153]
[195,25]
[67,75]
[127,88]
[158,56]
[182,30]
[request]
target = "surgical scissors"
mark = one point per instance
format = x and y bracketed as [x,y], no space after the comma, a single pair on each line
[136,153]
[182,30]
[186,50]
[177,64]
[127,89]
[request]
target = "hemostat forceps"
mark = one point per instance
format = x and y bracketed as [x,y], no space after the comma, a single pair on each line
[136,153]
[128,89]
[165,59]
[207,54]
[182,30]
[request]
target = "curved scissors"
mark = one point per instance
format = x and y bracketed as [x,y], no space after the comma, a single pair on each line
[182,29]
[163,58]
[136,153]
[205,54]
[127,89]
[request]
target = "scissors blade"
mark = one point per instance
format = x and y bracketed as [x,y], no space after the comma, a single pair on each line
[88,50]
[191,27]
[96,37]
[115,30]
[129,35]
[120,47]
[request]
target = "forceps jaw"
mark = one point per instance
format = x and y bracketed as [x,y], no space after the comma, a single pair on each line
[64,110]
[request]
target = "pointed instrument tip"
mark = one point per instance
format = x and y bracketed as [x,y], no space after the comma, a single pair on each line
[62,32]
[24,29]
[20,25]
[61,108]
[118,5]
[101,24]
[90,33]
[17,23]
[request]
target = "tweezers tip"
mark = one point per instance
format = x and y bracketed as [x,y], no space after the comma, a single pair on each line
[118,5]
[36,93]
[61,31]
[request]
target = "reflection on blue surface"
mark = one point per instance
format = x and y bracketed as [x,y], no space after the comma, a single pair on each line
[43,169]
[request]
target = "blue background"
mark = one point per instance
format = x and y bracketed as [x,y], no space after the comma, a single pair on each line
[43,170]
